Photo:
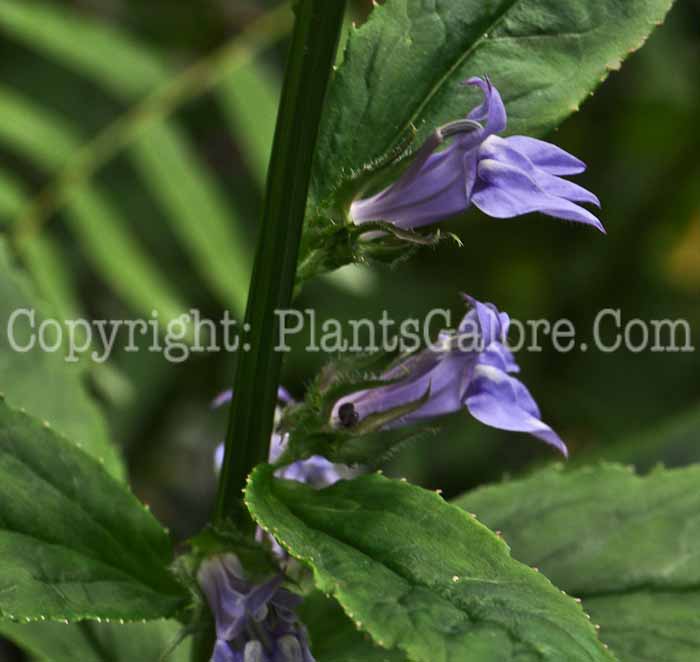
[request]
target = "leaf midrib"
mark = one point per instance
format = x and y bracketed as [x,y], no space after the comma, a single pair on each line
[442,80]
[415,583]
[411,583]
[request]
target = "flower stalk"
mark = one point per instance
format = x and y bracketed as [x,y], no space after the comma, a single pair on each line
[309,68]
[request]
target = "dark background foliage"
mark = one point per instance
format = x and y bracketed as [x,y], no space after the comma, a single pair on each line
[640,138]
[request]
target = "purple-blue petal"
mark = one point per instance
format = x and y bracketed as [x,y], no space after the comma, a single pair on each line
[278,444]
[437,190]
[225,602]
[222,399]
[493,325]
[441,373]
[255,622]
[563,188]
[500,150]
[550,158]
[315,471]
[447,383]
[501,401]
[505,191]
[499,356]
[492,111]
[256,601]
[224,653]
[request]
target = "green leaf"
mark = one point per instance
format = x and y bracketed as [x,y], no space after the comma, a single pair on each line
[195,206]
[249,99]
[98,642]
[421,575]
[51,272]
[335,638]
[46,139]
[42,382]
[406,65]
[11,197]
[41,256]
[63,35]
[627,545]
[671,442]
[74,542]
[197,211]
[650,625]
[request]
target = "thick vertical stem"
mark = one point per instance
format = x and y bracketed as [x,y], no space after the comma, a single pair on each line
[310,65]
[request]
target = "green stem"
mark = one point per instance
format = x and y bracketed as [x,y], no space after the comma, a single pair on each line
[310,65]
[202,645]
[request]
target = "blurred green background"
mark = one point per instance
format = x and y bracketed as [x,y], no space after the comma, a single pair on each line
[133,143]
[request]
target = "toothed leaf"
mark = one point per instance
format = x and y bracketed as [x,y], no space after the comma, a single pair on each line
[627,545]
[421,575]
[74,542]
[404,68]
[335,638]
[98,642]
[42,382]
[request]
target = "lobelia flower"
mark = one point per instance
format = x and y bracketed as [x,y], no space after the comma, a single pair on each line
[254,623]
[503,177]
[469,368]
[315,471]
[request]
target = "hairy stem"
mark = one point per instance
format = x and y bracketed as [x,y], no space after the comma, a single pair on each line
[309,68]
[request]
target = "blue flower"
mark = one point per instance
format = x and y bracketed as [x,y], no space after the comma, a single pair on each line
[471,368]
[503,177]
[254,622]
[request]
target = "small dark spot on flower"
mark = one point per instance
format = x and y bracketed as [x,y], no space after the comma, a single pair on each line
[347,415]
